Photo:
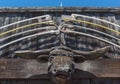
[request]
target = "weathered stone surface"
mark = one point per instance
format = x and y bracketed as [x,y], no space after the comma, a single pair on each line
[60,9]
[19,68]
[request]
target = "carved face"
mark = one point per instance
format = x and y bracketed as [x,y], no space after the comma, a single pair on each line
[61,69]
[61,66]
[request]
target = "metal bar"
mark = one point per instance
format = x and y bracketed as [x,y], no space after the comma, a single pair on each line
[90,29]
[84,16]
[23,27]
[27,31]
[34,35]
[101,26]
[24,21]
[74,32]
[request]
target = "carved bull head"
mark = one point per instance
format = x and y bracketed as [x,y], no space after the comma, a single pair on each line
[61,65]
[61,62]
